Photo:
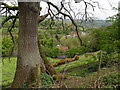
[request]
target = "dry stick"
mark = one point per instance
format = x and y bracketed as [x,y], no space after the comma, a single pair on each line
[97,83]
[65,68]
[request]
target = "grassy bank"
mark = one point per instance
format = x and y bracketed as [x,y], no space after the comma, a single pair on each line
[83,71]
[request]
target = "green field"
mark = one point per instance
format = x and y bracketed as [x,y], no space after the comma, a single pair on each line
[8,70]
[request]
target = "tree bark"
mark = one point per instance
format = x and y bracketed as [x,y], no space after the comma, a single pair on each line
[29,60]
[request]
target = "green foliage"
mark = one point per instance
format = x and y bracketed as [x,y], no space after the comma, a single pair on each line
[47,80]
[83,59]
[76,51]
[53,52]
[8,71]
[7,45]
[72,52]
[114,19]
[47,42]
[111,81]
[52,60]
[110,59]
[45,22]
[88,63]
[106,38]
[70,41]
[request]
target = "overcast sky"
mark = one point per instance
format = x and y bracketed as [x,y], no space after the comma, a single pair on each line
[107,6]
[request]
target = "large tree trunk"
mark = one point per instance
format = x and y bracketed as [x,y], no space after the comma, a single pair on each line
[29,59]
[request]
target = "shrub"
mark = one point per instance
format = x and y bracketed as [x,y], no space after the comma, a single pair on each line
[111,81]
[75,51]
[109,48]
[47,80]
[53,52]
[7,45]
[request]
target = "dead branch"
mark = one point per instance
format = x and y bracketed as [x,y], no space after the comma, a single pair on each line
[41,18]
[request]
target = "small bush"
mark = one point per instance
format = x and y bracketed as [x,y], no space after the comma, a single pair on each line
[53,52]
[7,45]
[47,80]
[111,81]
[75,51]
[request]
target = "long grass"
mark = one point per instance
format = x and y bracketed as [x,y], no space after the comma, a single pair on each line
[8,70]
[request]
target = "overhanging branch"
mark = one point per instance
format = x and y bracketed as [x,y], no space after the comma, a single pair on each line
[41,18]
[8,18]
[9,7]
[66,15]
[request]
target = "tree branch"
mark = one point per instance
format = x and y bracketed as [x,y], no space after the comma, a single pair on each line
[41,18]
[66,15]
[8,18]
[9,7]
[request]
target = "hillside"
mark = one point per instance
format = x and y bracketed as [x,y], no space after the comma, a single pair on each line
[81,73]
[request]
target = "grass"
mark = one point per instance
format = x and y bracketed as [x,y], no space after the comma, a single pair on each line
[0,72]
[84,59]
[89,80]
[53,60]
[81,73]
[8,70]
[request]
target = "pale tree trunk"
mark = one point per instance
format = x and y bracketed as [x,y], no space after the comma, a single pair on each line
[29,59]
